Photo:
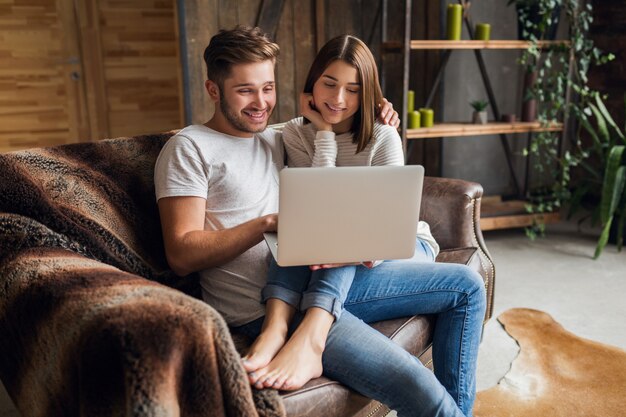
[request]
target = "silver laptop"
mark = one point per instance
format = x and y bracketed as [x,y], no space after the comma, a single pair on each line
[346,214]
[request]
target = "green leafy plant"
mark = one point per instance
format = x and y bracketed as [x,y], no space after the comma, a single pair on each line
[479,105]
[608,147]
[561,68]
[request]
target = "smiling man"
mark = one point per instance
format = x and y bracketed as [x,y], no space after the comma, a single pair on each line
[217,183]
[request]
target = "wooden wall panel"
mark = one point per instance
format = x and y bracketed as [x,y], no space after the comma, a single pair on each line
[303,27]
[34,78]
[141,66]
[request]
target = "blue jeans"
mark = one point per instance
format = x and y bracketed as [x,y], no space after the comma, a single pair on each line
[325,288]
[368,362]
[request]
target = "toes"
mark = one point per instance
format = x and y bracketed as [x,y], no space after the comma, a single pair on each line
[247,365]
[288,385]
[279,383]
[253,378]
[269,381]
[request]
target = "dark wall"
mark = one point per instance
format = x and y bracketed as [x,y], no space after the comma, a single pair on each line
[609,34]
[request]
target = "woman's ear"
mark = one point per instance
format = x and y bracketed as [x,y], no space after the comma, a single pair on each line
[213,89]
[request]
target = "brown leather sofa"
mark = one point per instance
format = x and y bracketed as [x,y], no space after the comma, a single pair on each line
[90,323]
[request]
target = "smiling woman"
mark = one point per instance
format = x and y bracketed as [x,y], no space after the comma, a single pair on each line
[336,98]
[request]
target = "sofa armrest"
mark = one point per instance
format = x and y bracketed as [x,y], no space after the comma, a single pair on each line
[452,209]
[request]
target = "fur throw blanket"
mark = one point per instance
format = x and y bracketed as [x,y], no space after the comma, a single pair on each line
[92,321]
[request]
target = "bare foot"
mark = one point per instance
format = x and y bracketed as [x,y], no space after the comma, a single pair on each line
[272,338]
[263,351]
[300,360]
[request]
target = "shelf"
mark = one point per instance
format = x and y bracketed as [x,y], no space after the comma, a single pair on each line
[443,130]
[494,44]
[496,214]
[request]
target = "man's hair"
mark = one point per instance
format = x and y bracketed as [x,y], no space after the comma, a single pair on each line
[241,45]
[353,51]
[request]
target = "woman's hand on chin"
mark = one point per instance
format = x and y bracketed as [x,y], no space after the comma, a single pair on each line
[308,110]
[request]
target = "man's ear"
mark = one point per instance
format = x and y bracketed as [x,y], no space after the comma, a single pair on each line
[213,89]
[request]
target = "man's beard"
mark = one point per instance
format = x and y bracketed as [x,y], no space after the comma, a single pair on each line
[238,121]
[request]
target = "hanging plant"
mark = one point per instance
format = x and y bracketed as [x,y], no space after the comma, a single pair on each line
[560,68]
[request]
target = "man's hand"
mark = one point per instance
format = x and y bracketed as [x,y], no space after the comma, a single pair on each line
[308,110]
[388,115]
[271,222]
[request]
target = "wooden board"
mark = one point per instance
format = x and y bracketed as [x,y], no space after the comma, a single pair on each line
[468,129]
[517,220]
[498,214]
[493,44]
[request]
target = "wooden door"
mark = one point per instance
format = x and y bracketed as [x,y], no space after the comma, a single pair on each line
[41,93]
[80,70]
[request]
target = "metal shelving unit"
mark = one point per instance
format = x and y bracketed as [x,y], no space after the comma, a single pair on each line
[497,214]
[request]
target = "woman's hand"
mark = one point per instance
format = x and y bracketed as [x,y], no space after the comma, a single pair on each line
[368,264]
[388,115]
[308,110]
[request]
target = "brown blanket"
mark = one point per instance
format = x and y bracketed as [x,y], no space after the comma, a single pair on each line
[92,321]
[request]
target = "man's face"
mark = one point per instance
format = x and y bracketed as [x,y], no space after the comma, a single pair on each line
[248,97]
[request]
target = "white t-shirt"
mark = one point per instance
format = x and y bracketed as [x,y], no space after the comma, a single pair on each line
[238,177]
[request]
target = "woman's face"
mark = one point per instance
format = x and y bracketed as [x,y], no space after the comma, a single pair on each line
[337,95]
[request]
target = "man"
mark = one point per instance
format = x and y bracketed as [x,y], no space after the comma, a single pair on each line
[217,189]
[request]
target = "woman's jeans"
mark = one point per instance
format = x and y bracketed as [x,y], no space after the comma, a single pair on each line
[368,362]
[325,288]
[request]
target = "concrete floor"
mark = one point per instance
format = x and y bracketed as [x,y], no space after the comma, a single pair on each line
[555,274]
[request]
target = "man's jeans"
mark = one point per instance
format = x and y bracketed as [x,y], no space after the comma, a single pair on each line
[325,288]
[368,362]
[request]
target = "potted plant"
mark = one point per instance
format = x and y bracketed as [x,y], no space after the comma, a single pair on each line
[479,116]
[559,67]
[608,175]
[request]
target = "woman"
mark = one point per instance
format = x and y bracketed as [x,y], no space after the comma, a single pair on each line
[338,128]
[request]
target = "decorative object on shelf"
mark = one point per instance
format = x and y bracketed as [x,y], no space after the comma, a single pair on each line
[414,119]
[483,32]
[479,116]
[427,117]
[410,101]
[508,118]
[454,20]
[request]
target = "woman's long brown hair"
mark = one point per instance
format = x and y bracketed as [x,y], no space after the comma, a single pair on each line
[353,51]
